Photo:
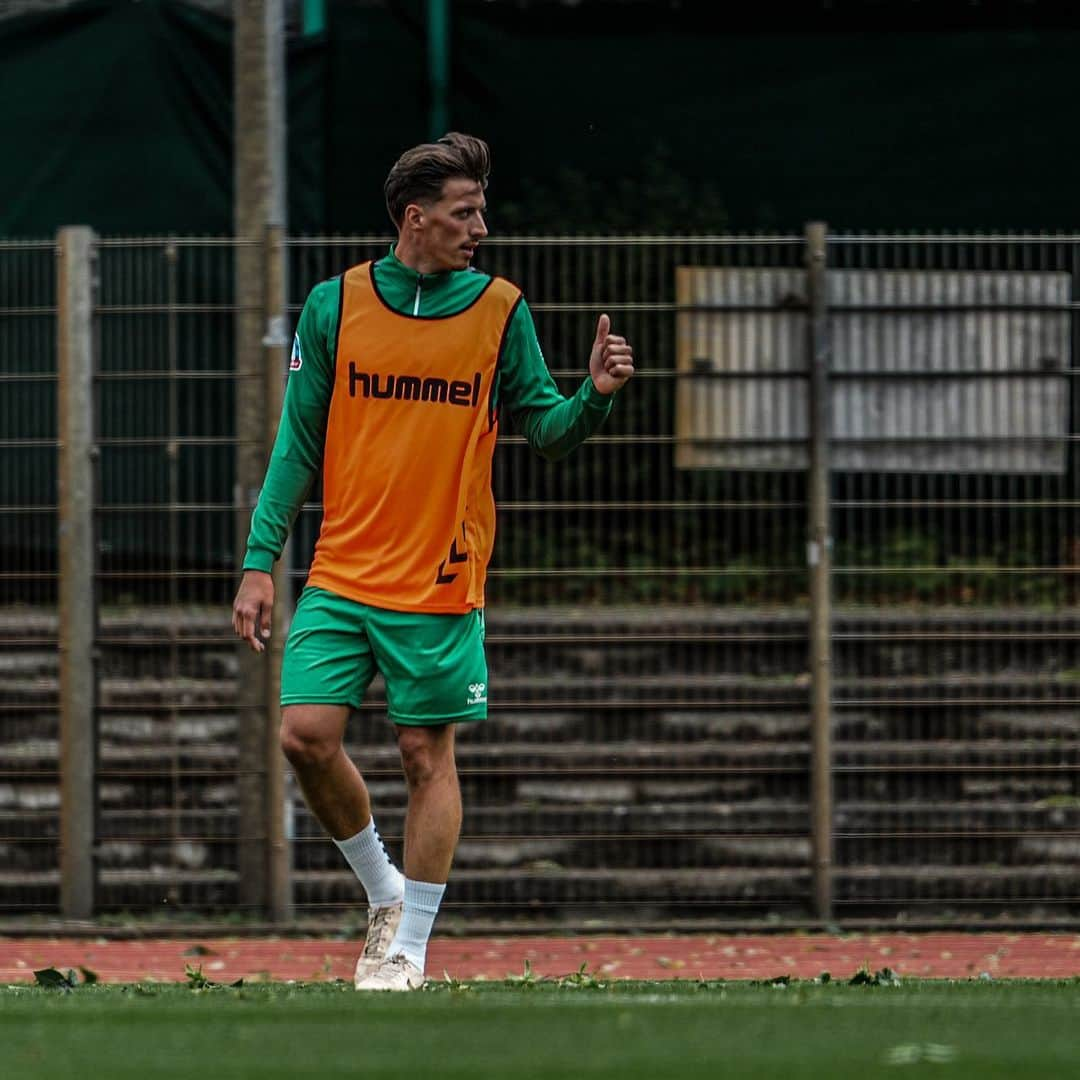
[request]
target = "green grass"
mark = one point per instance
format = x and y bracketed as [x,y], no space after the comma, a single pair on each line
[577,1027]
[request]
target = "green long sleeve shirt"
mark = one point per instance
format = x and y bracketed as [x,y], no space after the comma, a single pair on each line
[552,425]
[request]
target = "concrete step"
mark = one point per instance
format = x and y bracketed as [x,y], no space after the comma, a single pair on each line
[516,740]
[619,760]
[581,898]
[683,811]
[29,890]
[507,875]
[673,888]
[1037,718]
[28,663]
[1039,866]
[514,660]
[632,693]
[706,889]
[22,623]
[657,834]
[911,823]
[166,888]
[591,642]
[624,743]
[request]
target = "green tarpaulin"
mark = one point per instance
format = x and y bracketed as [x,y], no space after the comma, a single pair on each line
[119,115]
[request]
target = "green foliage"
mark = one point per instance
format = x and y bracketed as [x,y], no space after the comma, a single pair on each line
[196,980]
[1059,802]
[582,979]
[527,978]
[908,566]
[457,986]
[687,559]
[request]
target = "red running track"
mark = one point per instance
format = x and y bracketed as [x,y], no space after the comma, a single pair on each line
[803,956]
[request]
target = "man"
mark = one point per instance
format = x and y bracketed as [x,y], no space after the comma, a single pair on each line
[397,372]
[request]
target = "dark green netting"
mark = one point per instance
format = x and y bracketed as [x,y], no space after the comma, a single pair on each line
[119,115]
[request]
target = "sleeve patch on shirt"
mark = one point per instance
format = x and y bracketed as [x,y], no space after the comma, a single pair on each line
[296,361]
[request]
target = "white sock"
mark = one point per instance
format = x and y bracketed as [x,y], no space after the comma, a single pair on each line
[382,880]
[422,899]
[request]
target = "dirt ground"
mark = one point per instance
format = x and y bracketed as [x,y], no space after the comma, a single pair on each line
[803,956]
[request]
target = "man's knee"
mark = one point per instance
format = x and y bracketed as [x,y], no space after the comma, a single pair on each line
[426,754]
[308,746]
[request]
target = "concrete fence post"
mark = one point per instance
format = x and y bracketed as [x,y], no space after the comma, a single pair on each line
[276,345]
[77,462]
[259,184]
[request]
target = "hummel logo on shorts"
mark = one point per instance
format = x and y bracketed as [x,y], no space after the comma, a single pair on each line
[477,694]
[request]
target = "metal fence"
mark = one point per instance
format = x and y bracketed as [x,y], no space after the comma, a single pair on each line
[651,753]
[29,703]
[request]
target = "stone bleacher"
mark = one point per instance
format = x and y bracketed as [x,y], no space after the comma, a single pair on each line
[640,767]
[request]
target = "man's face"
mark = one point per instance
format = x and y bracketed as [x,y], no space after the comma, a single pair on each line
[454,226]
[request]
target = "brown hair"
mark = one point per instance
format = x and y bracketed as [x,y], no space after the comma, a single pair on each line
[420,173]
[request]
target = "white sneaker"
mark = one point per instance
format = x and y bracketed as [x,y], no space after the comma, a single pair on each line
[382,924]
[397,972]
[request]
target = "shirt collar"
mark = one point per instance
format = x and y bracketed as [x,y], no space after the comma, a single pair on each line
[406,274]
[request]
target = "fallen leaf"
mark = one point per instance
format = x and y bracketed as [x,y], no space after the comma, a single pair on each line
[53,980]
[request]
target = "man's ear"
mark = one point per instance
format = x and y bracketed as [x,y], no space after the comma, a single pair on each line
[414,216]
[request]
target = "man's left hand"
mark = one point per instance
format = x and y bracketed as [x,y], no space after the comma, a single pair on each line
[612,360]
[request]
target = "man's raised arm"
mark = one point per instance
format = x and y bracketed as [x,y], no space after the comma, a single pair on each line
[554,425]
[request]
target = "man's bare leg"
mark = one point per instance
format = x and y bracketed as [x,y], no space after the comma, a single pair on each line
[433,821]
[432,826]
[311,738]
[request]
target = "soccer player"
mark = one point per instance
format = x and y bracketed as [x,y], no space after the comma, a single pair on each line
[398,370]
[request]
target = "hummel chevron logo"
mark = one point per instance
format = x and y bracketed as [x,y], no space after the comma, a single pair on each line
[455,556]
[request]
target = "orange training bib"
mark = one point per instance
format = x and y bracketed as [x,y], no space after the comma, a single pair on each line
[408,512]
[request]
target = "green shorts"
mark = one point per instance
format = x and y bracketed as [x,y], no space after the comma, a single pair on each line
[434,665]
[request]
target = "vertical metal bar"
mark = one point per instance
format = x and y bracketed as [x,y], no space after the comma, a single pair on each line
[819,557]
[438,18]
[313,17]
[78,608]
[276,343]
[172,585]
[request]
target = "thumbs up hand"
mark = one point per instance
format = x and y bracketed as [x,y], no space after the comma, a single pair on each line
[611,362]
